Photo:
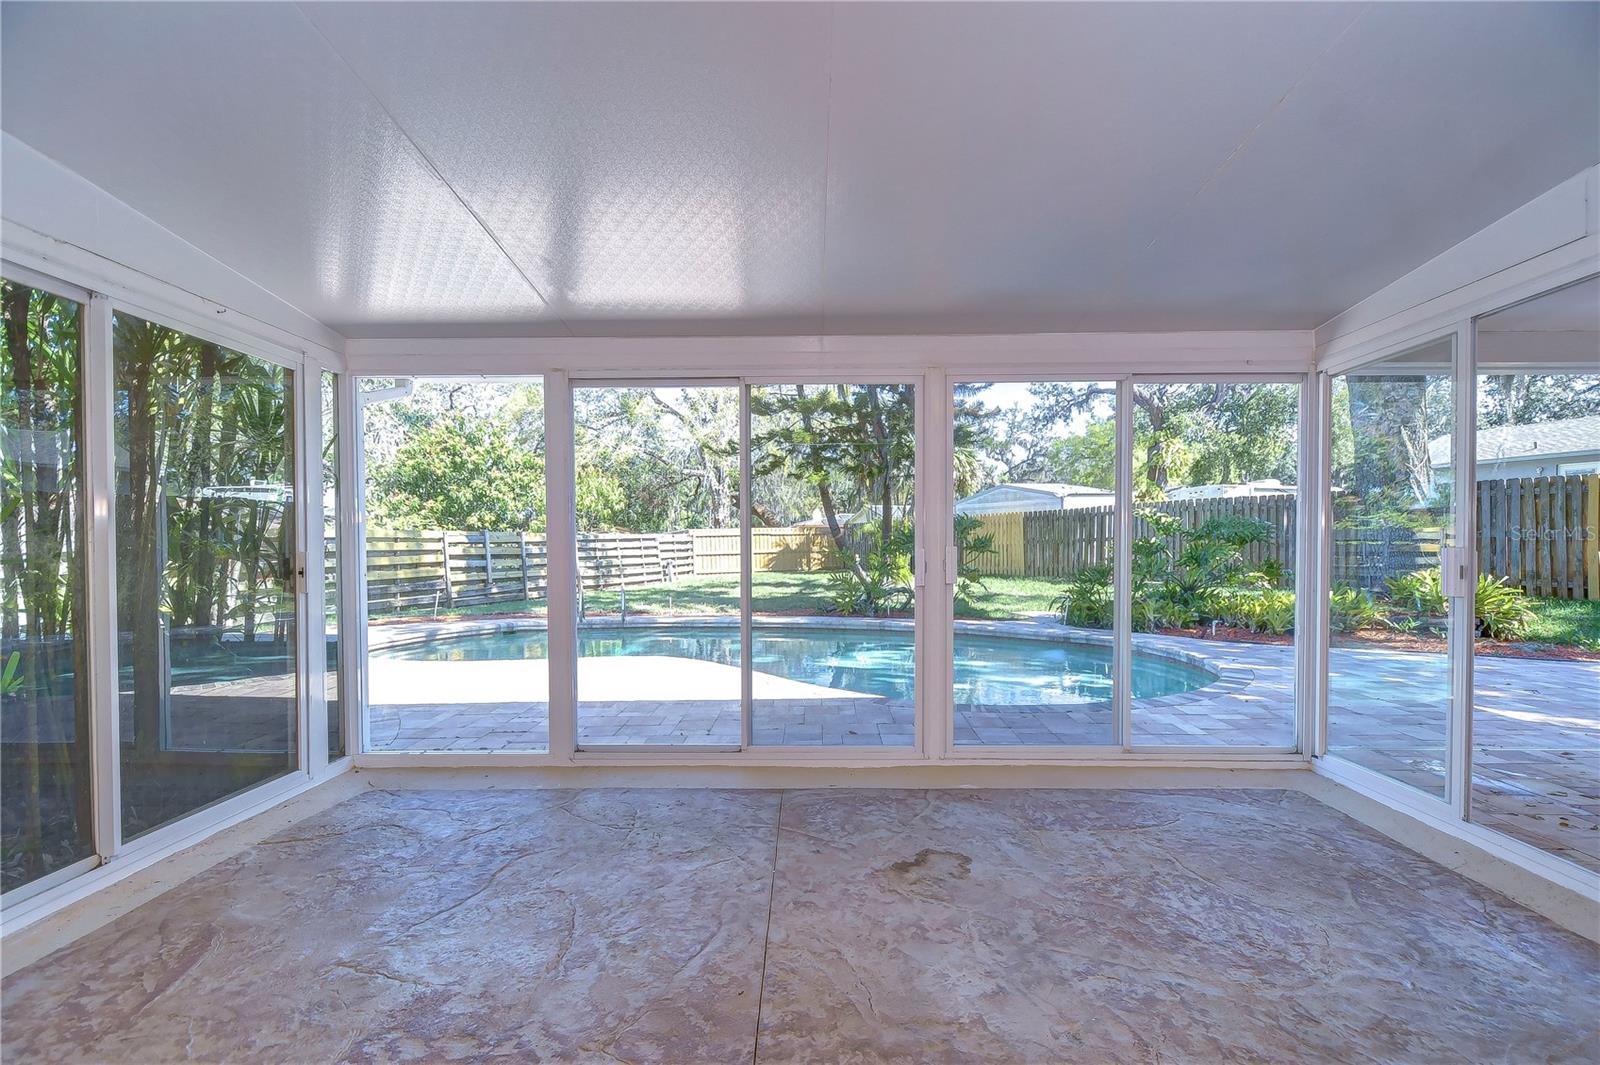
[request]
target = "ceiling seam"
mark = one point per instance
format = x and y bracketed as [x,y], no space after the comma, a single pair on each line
[1277,105]
[427,161]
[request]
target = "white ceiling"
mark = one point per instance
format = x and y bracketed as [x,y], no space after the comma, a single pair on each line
[672,169]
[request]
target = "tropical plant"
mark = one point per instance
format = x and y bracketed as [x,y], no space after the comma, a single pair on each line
[1501,610]
[1419,592]
[1351,609]
[1086,599]
[11,677]
[877,581]
[972,544]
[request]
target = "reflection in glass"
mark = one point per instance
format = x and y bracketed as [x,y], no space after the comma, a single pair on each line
[45,821]
[1035,479]
[1536,668]
[205,561]
[1393,510]
[832,543]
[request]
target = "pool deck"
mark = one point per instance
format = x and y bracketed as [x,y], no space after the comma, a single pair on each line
[1536,726]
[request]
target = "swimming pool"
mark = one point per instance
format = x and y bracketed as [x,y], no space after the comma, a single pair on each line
[988,669]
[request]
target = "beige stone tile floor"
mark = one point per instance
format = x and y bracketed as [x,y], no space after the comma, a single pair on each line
[817,926]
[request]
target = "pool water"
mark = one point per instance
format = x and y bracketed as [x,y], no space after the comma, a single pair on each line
[988,669]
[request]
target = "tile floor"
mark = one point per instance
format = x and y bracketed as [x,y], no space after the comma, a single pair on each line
[817,925]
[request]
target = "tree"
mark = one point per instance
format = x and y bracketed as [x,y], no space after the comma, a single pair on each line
[855,447]
[460,473]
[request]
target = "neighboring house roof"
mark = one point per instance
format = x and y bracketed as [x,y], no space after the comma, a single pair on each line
[1045,495]
[1264,487]
[1565,436]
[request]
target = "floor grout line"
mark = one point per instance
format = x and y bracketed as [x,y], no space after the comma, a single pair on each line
[766,940]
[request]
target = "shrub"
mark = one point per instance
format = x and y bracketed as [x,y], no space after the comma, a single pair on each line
[1351,609]
[879,582]
[1419,592]
[1268,610]
[1501,610]
[972,543]
[1086,600]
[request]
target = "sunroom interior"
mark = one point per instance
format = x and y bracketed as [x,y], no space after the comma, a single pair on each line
[689,532]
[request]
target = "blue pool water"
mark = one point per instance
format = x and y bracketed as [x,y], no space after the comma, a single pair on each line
[988,669]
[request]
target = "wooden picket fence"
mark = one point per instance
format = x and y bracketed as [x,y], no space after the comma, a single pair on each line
[1542,534]
[1057,543]
[447,568]
[1538,532]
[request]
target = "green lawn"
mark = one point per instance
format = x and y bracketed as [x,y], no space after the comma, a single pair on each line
[1566,621]
[773,593]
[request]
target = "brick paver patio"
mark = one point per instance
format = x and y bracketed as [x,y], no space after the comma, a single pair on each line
[1536,726]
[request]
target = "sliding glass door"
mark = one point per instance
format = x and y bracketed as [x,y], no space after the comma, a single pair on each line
[1535,723]
[659,576]
[206,568]
[45,789]
[1035,535]
[833,546]
[1393,524]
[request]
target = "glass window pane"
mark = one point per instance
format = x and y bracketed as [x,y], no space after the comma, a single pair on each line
[331,561]
[833,532]
[658,565]
[44,777]
[1389,625]
[1215,485]
[457,657]
[1035,480]
[1536,669]
[205,556]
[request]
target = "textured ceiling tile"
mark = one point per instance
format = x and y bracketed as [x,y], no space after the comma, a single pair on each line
[236,127]
[668,158]
[794,168]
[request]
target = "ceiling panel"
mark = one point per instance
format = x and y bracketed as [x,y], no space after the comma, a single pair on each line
[592,169]
[236,127]
[654,168]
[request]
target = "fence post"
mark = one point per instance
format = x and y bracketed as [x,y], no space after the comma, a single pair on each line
[522,556]
[444,551]
[488,565]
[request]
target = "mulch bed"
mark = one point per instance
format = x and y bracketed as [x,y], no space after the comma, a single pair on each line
[1399,641]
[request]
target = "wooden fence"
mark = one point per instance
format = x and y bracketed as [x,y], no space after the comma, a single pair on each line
[1542,533]
[438,569]
[1056,543]
[1538,532]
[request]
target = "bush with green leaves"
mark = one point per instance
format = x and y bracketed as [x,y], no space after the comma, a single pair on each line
[1501,610]
[1086,600]
[878,581]
[972,544]
[1419,592]
[1351,609]
[1264,610]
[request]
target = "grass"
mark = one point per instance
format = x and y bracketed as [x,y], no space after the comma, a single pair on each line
[772,593]
[1574,622]
[1568,622]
